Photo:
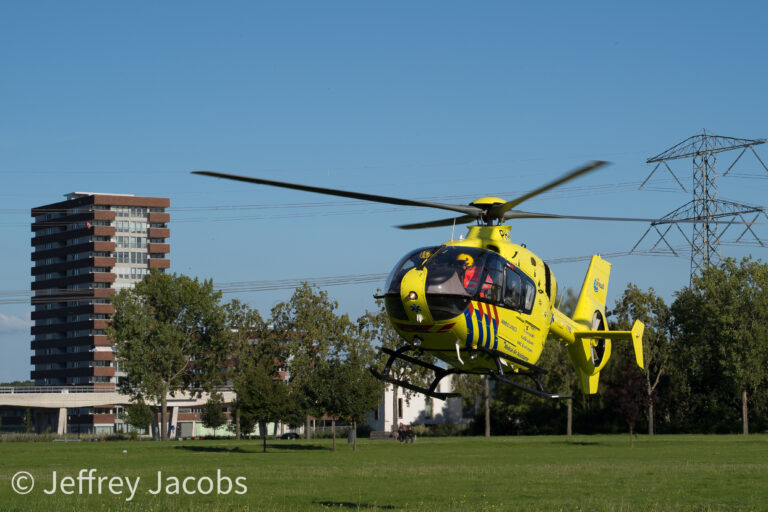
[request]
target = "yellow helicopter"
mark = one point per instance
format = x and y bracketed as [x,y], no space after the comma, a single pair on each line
[485,305]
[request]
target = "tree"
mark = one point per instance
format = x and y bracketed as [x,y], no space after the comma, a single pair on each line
[721,329]
[337,381]
[562,375]
[213,417]
[378,328]
[259,354]
[327,391]
[363,389]
[471,387]
[650,309]
[139,415]
[263,396]
[236,425]
[244,327]
[17,384]
[333,380]
[628,397]
[27,421]
[246,423]
[169,335]
[363,393]
[345,389]
[311,331]
[262,392]
[561,378]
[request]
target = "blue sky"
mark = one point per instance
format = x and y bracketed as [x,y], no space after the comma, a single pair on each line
[441,100]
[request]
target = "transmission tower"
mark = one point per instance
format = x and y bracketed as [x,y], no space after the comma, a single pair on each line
[709,216]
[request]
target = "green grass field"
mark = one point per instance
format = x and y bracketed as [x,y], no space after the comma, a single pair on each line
[508,473]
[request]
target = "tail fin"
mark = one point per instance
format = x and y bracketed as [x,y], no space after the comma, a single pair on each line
[589,341]
[594,293]
[589,355]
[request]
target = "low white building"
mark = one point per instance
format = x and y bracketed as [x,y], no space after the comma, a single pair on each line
[412,408]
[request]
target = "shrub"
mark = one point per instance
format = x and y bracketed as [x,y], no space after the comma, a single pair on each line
[441,430]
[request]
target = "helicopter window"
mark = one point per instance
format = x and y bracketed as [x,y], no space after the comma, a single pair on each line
[513,292]
[466,271]
[455,271]
[519,290]
[406,263]
[530,295]
[493,284]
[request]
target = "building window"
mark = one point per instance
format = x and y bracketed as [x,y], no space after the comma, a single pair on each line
[125,226]
[129,211]
[138,257]
[399,407]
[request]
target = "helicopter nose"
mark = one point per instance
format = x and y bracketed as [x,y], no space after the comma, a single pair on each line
[413,296]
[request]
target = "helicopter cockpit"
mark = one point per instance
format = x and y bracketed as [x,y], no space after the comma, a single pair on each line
[456,275]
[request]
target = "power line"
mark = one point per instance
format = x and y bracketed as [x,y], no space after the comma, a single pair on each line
[8,297]
[64,295]
[572,191]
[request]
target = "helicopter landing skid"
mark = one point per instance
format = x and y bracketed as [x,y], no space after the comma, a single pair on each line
[532,371]
[537,379]
[440,373]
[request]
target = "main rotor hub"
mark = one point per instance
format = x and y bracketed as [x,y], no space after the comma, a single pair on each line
[487,204]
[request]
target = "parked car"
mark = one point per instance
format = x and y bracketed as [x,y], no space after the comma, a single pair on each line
[290,435]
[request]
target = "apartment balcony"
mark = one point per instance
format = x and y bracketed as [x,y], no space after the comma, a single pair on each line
[159,233]
[159,263]
[157,217]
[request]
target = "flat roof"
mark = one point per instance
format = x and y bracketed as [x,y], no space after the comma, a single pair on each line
[75,195]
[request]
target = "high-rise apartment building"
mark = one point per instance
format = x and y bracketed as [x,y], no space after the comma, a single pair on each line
[84,249]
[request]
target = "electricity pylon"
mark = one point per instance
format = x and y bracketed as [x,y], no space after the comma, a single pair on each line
[709,216]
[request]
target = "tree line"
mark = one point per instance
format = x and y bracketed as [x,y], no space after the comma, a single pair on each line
[706,358]
[174,334]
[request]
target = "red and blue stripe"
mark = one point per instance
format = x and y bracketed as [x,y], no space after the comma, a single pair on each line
[487,317]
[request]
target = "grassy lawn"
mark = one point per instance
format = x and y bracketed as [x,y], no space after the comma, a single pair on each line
[438,474]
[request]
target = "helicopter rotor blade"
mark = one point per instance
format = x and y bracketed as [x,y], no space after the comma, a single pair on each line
[472,211]
[498,212]
[519,214]
[464,219]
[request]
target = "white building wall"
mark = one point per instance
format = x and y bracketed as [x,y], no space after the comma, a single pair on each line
[416,408]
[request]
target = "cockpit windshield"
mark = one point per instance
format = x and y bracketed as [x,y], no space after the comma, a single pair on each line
[406,263]
[466,271]
[456,275]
